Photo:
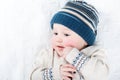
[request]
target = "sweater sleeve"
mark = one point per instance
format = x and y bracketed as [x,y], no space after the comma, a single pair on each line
[42,68]
[89,66]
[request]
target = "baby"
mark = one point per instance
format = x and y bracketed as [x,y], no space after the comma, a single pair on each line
[73,54]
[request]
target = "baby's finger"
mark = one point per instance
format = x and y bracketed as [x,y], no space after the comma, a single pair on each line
[68,69]
[68,66]
[66,78]
[68,74]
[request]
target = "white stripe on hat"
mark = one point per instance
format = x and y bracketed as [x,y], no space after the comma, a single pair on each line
[80,17]
[92,8]
[82,14]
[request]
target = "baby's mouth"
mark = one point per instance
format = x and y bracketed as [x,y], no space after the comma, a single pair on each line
[60,47]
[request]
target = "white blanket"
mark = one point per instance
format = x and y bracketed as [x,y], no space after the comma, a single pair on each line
[25,29]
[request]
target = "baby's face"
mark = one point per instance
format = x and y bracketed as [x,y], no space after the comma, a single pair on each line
[63,37]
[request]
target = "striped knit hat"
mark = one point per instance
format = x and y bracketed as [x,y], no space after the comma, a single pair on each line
[80,17]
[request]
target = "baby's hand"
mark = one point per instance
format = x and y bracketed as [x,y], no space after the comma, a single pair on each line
[67,71]
[66,51]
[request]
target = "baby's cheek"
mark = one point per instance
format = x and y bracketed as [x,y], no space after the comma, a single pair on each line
[69,43]
[52,42]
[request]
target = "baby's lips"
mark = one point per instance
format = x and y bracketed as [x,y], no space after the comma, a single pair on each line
[60,46]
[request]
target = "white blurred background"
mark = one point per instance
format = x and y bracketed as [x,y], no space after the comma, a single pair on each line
[24,29]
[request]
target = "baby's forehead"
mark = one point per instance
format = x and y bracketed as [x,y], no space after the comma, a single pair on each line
[60,27]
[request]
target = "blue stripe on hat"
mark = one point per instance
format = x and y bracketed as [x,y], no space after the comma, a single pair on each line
[82,7]
[82,16]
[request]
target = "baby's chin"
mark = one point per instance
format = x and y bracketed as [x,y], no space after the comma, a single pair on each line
[60,53]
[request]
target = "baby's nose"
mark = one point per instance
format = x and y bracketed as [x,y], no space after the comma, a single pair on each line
[58,39]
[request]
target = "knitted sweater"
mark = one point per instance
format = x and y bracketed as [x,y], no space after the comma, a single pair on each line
[90,64]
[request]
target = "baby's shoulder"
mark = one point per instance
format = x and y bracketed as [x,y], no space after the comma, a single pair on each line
[43,57]
[95,49]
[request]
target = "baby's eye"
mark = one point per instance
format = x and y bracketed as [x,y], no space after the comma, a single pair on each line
[67,34]
[55,33]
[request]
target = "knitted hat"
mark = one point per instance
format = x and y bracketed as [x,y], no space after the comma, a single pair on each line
[80,17]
